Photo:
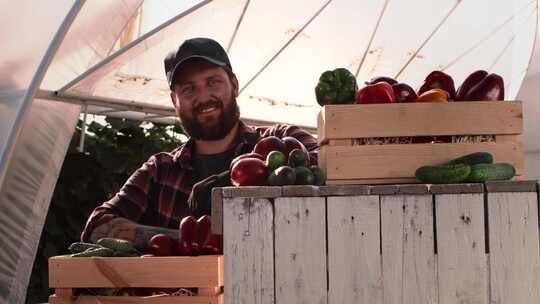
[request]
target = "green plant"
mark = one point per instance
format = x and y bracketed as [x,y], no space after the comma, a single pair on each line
[112,152]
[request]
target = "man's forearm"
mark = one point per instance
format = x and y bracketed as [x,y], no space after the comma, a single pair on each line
[128,230]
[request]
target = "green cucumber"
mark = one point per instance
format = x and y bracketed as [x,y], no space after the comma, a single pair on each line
[80,247]
[473,159]
[490,172]
[94,252]
[117,245]
[444,174]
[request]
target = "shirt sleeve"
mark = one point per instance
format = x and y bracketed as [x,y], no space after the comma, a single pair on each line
[130,202]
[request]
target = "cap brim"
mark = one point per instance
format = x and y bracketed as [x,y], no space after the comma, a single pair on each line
[211,60]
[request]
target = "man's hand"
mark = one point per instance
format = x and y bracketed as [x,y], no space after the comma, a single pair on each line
[199,200]
[125,229]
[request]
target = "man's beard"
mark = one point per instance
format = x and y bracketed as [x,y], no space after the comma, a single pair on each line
[227,119]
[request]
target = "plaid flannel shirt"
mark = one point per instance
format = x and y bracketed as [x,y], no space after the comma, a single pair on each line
[156,194]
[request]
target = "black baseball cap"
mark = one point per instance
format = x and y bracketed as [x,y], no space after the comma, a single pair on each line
[203,48]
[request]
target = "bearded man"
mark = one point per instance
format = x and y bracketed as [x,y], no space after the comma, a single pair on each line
[172,185]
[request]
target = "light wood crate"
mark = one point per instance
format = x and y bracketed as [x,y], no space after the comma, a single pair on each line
[382,244]
[345,163]
[204,272]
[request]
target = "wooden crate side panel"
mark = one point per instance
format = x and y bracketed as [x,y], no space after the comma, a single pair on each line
[462,264]
[514,253]
[136,300]
[401,161]
[248,251]
[408,255]
[166,272]
[300,250]
[418,119]
[354,260]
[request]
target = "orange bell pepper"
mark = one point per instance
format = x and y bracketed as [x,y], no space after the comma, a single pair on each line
[433,95]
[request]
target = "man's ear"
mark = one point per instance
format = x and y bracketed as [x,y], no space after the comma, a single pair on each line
[234,82]
[173,98]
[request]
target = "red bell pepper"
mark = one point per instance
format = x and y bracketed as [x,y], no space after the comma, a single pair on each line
[380,92]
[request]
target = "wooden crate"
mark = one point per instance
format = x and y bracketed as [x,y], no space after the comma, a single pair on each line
[204,272]
[346,163]
[382,244]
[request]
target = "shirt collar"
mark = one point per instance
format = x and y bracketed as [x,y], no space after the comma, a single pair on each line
[246,135]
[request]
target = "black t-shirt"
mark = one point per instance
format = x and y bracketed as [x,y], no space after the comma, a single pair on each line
[205,165]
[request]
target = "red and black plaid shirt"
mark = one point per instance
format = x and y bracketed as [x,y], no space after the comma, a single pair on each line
[157,193]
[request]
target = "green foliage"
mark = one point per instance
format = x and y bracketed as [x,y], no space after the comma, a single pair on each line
[112,153]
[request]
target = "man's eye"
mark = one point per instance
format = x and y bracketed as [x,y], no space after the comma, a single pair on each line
[212,82]
[186,90]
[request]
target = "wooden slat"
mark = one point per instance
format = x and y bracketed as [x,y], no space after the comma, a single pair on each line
[419,119]
[217,211]
[462,265]
[321,130]
[340,142]
[300,250]
[248,251]
[401,161]
[201,271]
[137,300]
[354,262]
[408,255]
[209,291]
[508,138]
[512,186]
[251,192]
[371,181]
[514,254]
[66,293]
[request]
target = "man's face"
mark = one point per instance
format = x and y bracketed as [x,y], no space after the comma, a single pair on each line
[204,97]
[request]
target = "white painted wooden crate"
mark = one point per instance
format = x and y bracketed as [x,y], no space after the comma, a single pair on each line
[381,244]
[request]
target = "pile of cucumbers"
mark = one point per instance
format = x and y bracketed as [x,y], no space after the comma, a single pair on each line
[104,247]
[472,168]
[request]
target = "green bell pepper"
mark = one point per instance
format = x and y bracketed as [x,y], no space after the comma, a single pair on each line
[336,87]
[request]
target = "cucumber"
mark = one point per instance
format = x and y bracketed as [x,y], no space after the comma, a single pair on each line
[80,247]
[444,174]
[473,159]
[94,252]
[490,172]
[117,245]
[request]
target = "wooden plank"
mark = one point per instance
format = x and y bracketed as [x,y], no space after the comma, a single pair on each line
[511,186]
[66,293]
[371,181]
[354,261]
[462,265]
[209,291]
[300,250]
[248,251]
[136,300]
[217,211]
[401,161]
[513,239]
[321,129]
[300,190]
[456,188]
[408,255]
[419,119]
[508,138]
[398,189]
[340,142]
[200,271]
[251,192]
[343,190]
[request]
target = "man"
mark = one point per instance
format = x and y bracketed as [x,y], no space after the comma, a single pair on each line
[172,185]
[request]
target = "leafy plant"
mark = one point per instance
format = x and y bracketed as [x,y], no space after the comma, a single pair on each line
[112,152]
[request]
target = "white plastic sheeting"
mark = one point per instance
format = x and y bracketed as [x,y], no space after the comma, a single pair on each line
[279,48]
